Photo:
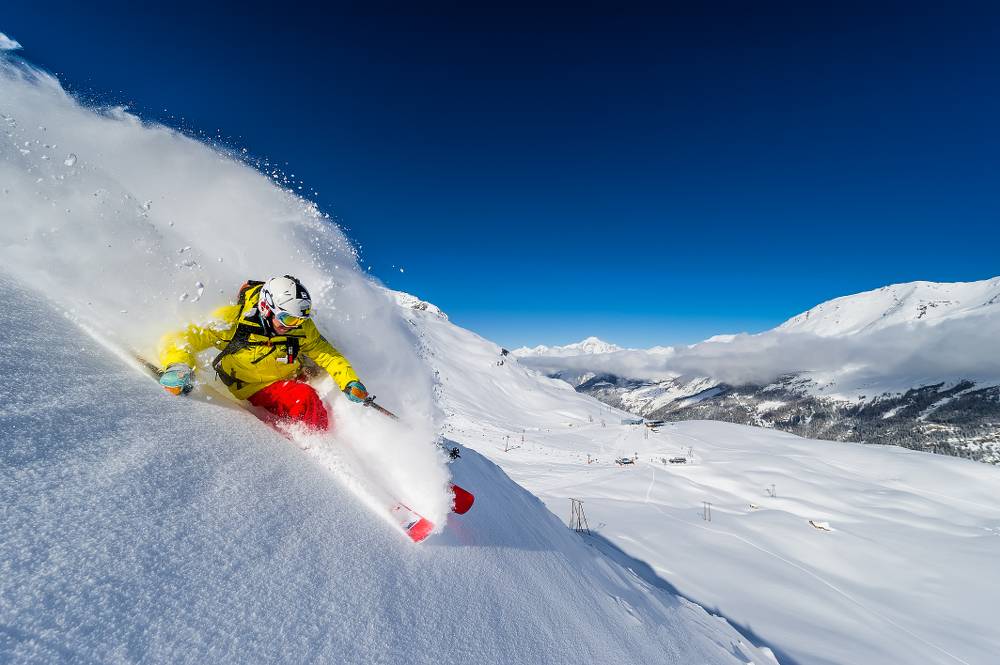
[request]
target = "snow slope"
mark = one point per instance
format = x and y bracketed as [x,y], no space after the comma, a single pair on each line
[141,527]
[905,573]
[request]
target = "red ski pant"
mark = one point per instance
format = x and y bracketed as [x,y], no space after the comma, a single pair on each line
[291,401]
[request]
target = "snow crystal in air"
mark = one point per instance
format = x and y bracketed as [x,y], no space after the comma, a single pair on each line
[70,159]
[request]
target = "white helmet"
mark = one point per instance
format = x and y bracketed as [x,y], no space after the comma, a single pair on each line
[285,299]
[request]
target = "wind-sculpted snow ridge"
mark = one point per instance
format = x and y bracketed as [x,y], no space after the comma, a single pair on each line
[143,527]
[134,229]
[828,553]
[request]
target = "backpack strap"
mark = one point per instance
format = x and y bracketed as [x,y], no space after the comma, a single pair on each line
[241,336]
[239,341]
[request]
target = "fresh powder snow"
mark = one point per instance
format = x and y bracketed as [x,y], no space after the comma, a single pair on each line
[143,527]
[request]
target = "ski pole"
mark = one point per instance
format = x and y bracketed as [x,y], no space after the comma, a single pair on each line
[370,402]
[150,367]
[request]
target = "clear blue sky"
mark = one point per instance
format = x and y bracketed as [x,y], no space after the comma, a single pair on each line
[647,176]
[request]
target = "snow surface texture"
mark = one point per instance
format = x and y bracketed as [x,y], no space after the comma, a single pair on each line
[141,527]
[888,340]
[906,572]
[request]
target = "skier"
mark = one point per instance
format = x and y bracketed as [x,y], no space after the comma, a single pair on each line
[261,338]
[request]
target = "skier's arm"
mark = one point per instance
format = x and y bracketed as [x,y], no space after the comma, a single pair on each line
[181,347]
[323,354]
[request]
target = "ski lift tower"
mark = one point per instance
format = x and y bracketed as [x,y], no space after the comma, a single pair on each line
[578,519]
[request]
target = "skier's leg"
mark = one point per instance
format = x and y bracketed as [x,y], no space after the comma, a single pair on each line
[306,406]
[270,404]
[291,400]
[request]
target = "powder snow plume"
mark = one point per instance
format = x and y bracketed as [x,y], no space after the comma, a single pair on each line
[134,229]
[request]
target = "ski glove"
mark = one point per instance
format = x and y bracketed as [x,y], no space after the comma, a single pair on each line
[356,391]
[178,379]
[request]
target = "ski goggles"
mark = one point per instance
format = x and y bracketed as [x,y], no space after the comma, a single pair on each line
[288,320]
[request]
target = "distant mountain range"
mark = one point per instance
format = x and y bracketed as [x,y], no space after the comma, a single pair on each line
[916,365]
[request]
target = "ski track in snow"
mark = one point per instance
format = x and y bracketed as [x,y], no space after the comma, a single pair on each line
[652,482]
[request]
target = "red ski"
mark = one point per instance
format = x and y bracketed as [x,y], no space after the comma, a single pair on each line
[416,526]
[463,499]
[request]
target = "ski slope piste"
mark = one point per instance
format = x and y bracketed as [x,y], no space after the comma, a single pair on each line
[142,527]
[829,553]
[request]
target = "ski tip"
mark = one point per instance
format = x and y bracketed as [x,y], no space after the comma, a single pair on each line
[420,529]
[463,499]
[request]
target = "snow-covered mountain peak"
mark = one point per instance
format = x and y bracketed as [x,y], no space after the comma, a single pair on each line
[588,346]
[661,350]
[912,302]
[724,338]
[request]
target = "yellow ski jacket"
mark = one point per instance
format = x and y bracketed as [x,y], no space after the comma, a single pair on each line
[255,360]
